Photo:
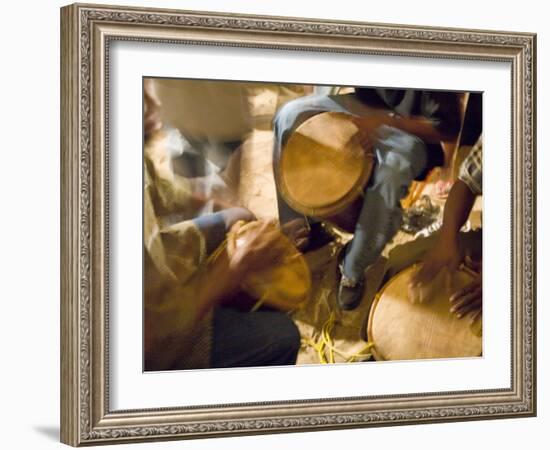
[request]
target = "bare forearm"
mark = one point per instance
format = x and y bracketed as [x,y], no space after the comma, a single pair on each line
[423,128]
[457,209]
[419,126]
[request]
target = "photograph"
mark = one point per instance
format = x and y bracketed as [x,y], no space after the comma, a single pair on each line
[290,224]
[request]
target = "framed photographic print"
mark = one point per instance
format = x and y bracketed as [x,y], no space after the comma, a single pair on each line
[276,225]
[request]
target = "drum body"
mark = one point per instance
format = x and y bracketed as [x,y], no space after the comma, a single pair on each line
[284,285]
[401,330]
[323,169]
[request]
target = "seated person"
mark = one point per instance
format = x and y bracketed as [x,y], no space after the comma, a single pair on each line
[186,280]
[186,326]
[404,129]
[446,251]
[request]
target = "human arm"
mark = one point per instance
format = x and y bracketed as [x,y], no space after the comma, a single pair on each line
[459,204]
[260,247]
[431,116]
[176,308]
[419,126]
[445,253]
[223,275]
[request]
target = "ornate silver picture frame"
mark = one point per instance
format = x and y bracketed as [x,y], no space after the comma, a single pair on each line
[87,34]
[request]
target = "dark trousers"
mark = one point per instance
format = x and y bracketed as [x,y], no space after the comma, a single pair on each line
[248,339]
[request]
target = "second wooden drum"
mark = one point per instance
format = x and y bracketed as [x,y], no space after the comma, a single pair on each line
[401,330]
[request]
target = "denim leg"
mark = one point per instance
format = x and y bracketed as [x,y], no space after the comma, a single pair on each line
[400,158]
[248,339]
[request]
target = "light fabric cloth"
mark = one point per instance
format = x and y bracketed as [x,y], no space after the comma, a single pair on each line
[173,257]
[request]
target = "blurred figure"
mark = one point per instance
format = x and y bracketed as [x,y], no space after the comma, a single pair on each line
[181,164]
[187,275]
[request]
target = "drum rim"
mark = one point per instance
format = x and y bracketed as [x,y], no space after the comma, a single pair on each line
[335,207]
[375,353]
[331,209]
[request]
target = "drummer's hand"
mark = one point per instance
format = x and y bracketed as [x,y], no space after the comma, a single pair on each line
[152,106]
[368,130]
[297,230]
[261,248]
[444,255]
[468,301]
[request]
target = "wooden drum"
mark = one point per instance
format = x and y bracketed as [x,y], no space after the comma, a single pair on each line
[401,330]
[323,169]
[284,285]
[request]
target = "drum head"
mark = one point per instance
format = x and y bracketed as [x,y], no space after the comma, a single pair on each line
[323,167]
[401,330]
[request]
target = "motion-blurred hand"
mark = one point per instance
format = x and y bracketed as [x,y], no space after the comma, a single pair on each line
[468,301]
[151,108]
[262,246]
[297,230]
[444,255]
[368,130]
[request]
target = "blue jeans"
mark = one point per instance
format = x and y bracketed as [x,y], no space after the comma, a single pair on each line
[399,156]
[251,339]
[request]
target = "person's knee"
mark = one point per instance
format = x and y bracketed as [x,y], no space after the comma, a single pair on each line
[392,185]
[400,140]
[293,113]
[410,143]
[416,156]
[292,337]
[286,116]
[407,153]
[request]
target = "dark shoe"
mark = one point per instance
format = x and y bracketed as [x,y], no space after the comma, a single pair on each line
[297,230]
[306,236]
[318,237]
[350,293]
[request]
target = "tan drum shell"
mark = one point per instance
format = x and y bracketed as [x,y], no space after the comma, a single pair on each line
[284,286]
[323,168]
[401,330]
